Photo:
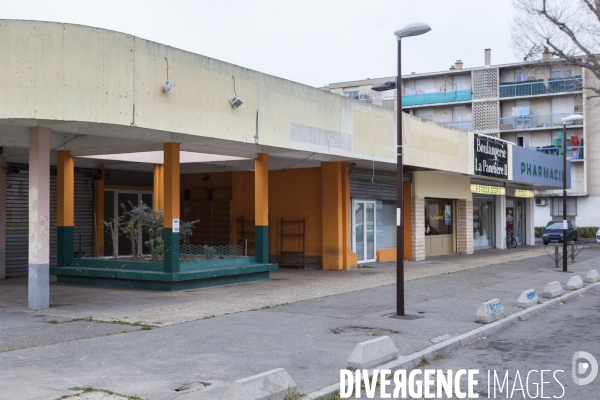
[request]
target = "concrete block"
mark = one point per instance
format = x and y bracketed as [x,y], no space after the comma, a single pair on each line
[489,311]
[575,283]
[372,353]
[527,299]
[552,290]
[592,276]
[270,385]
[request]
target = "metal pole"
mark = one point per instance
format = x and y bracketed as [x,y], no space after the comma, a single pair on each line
[565,258]
[400,191]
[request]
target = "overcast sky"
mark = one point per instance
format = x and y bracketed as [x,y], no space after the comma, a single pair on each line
[315,42]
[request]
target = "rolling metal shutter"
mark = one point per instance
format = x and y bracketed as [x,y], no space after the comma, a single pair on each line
[382,186]
[17,218]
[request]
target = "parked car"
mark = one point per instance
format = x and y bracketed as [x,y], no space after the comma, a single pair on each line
[598,236]
[553,232]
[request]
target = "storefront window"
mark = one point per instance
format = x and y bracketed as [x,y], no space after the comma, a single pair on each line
[483,224]
[515,218]
[386,224]
[438,217]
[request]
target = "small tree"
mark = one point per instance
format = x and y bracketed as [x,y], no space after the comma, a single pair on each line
[186,230]
[132,225]
[111,227]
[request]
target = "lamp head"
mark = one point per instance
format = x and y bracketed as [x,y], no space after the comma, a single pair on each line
[414,29]
[571,118]
[236,102]
[383,86]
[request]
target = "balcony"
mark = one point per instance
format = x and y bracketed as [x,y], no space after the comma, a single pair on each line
[535,121]
[436,97]
[533,88]
[574,153]
[464,125]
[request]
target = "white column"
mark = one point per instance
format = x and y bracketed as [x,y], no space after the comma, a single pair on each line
[39,217]
[501,222]
[2,217]
[529,222]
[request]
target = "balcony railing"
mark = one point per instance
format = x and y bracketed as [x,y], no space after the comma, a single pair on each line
[573,152]
[535,121]
[437,97]
[464,125]
[532,88]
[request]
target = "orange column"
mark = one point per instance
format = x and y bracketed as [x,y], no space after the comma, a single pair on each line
[158,193]
[261,207]
[65,221]
[332,216]
[171,207]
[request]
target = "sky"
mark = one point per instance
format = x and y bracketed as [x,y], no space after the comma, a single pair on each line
[314,42]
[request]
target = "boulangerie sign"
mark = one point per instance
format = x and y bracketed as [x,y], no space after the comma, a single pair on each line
[491,157]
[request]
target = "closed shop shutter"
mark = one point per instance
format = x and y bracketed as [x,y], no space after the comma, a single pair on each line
[383,188]
[17,218]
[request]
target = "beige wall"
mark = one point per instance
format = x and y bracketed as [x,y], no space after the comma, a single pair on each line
[435,146]
[64,72]
[441,185]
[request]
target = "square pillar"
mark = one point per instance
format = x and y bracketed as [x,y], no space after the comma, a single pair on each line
[158,193]
[501,222]
[529,222]
[261,207]
[332,216]
[65,221]
[464,227]
[99,213]
[349,258]
[171,185]
[39,218]
[418,228]
[2,217]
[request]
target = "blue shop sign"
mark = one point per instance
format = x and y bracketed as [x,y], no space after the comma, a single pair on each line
[538,168]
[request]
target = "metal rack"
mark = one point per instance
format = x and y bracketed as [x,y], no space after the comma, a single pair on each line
[246,234]
[290,241]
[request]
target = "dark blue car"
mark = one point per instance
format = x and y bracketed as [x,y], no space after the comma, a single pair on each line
[553,232]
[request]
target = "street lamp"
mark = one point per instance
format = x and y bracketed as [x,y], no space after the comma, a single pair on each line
[570,118]
[415,29]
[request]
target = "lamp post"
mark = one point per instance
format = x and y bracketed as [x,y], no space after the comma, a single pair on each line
[570,118]
[414,29]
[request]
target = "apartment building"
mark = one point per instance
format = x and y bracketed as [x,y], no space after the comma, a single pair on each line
[522,103]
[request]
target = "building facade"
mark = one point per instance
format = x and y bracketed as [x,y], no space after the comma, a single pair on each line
[522,103]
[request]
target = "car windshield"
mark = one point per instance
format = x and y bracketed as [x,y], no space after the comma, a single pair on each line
[555,225]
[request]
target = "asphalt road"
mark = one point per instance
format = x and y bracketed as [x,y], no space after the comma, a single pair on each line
[546,342]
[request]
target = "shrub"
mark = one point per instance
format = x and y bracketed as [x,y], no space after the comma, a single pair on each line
[587,231]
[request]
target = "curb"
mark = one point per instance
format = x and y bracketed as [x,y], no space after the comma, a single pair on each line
[410,362]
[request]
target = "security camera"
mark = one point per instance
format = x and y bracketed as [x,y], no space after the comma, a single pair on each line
[353,164]
[236,101]
[168,85]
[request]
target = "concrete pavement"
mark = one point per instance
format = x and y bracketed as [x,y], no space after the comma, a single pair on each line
[311,339]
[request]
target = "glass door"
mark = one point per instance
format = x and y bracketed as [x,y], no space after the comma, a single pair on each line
[363,230]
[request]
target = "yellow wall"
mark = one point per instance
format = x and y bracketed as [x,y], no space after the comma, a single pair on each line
[296,194]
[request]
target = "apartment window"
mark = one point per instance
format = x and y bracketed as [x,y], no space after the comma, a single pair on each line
[351,92]
[562,74]
[521,76]
[557,207]
[459,82]
[425,113]
[459,113]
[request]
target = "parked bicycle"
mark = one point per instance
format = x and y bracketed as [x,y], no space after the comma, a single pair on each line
[510,239]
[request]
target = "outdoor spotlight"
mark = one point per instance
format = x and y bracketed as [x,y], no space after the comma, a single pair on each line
[206,178]
[236,101]
[168,85]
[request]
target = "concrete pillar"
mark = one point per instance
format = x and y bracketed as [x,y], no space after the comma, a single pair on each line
[529,222]
[158,193]
[464,226]
[39,218]
[99,213]
[418,228]
[261,207]
[171,207]
[65,221]
[501,222]
[2,217]
[332,216]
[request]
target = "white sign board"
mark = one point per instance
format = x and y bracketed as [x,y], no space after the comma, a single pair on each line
[175,225]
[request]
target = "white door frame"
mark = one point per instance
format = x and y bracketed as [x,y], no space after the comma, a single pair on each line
[353,219]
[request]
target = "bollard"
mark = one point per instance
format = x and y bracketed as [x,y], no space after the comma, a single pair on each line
[553,289]
[527,299]
[592,276]
[489,311]
[575,283]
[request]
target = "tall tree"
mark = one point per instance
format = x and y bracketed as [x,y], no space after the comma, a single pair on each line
[554,31]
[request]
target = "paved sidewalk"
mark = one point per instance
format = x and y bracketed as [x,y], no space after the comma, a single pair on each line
[285,286]
[311,339]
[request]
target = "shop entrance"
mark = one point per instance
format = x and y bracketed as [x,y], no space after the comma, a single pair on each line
[363,230]
[515,218]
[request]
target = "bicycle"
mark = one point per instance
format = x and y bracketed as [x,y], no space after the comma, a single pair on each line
[510,239]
